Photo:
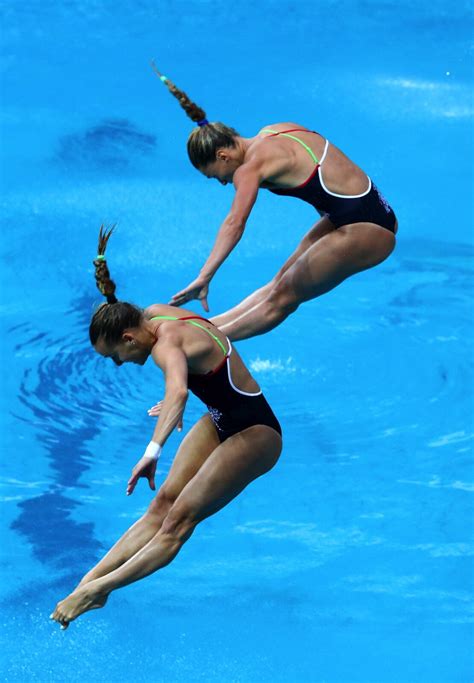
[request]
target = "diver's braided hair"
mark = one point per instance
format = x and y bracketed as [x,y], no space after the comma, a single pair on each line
[207,138]
[105,285]
[112,318]
[194,112]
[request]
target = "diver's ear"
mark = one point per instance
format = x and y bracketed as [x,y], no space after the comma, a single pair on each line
[222,154]
[128,338]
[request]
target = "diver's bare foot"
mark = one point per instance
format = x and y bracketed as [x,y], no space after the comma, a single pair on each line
[81,600]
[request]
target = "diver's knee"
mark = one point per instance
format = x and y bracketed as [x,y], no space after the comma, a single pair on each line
[180,521]
[163,501]
[281,301]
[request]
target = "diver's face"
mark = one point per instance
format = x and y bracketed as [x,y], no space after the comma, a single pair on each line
[127,350]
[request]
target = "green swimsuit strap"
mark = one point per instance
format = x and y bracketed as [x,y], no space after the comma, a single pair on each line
[293,137]
[192,322]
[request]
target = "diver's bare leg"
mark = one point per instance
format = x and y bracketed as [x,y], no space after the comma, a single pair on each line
[243,306]
[320,229]
[193,452]
[335,257]
[228,470]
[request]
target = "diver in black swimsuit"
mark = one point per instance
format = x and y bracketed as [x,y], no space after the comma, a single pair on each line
[356,231]
[236,441]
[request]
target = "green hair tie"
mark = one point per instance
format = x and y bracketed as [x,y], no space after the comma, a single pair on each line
[100,257]
[163,79]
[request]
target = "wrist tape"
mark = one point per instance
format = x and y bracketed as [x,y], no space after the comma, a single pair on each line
[153,451]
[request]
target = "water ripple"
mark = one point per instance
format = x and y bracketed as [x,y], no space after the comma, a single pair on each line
[65,394]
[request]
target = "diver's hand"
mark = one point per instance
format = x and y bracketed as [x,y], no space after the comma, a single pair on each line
[145,467]
[198,289]
[155,410]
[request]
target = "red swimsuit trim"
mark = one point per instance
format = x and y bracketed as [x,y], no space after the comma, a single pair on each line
[195,317]
[306,181]
[292,130]
[216,370]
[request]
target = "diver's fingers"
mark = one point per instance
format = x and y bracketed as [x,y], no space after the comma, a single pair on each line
[179,296]
[183,296]
[204,303]
[178,300]
[132,482]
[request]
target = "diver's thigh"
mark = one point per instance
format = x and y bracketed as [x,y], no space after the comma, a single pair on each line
[230,468]
[196,447]
[335,257]
[321,228]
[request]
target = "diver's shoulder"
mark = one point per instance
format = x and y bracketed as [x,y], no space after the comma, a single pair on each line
[154,310]
[282,126]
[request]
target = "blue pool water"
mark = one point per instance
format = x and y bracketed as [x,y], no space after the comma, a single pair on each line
[351,562]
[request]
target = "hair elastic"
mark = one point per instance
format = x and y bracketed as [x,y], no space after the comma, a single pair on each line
[100,257]
[204,122]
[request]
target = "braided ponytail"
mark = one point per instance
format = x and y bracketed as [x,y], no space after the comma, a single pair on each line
[102,275]
[194,112]
[112,318]
[205,140]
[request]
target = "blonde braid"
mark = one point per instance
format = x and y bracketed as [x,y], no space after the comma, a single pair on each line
[102,275]
[194,112]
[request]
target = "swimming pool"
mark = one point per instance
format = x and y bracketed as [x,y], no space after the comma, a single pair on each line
[352,560]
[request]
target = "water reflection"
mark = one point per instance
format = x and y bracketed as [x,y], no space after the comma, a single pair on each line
[65,400]
[112,145]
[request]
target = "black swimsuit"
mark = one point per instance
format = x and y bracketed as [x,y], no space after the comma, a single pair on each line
[231,409]
[368,207]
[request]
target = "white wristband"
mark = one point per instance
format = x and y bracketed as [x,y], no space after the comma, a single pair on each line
[153,451]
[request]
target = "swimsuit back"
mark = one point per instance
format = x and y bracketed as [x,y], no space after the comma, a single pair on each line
[191,320]
[286,134]
[215,386]
[369,206]
[311,190]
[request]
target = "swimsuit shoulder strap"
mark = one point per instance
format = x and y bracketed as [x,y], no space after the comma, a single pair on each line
[190,319]
[164,317]
[286,134]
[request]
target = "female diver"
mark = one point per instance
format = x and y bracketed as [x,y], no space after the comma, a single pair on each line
[236,441]
[356,230]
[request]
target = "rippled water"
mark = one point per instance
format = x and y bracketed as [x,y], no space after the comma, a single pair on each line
[352,560]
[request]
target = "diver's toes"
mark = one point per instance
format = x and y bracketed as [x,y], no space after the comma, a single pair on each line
[56,615]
